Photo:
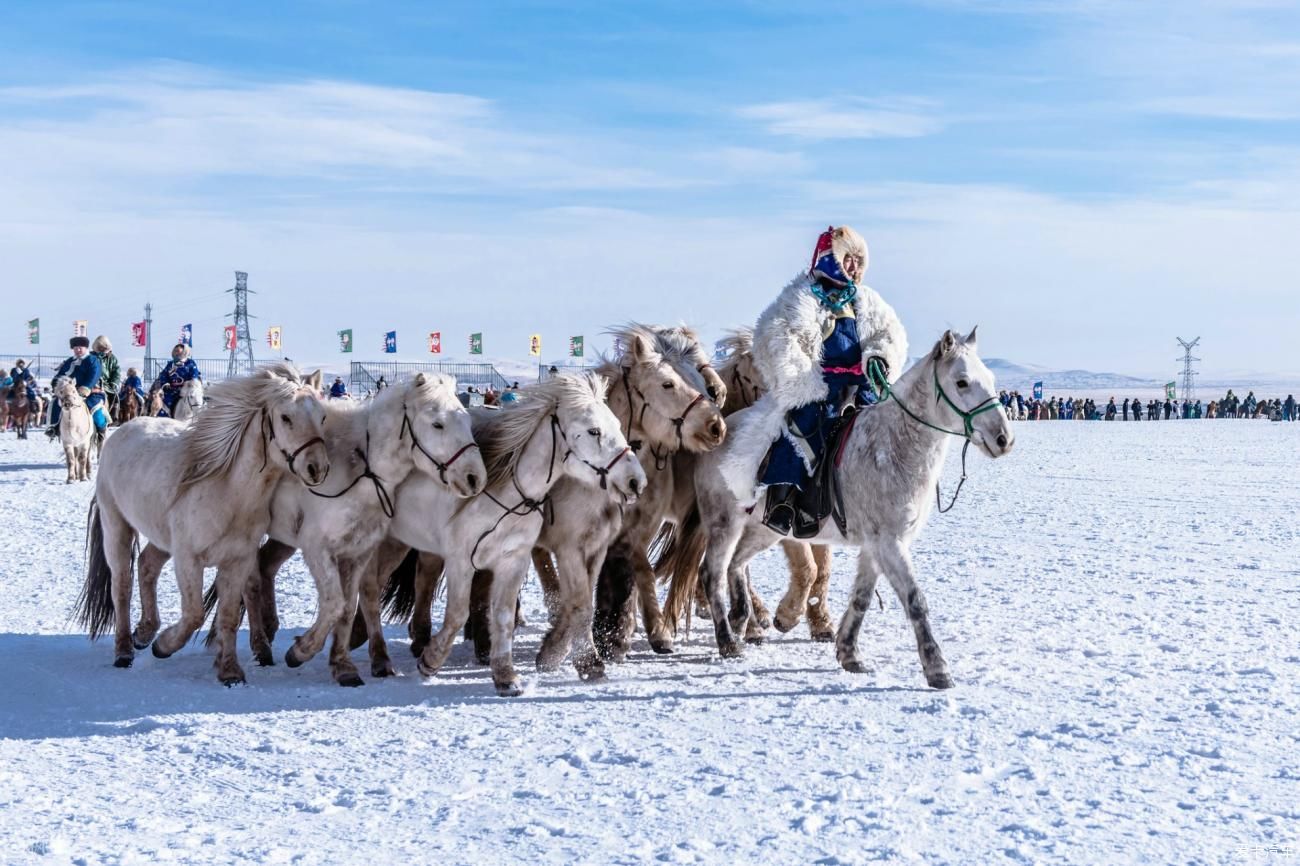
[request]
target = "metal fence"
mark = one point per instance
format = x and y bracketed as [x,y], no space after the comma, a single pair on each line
[211,369]
[364,374]
[546,371]
[43,367]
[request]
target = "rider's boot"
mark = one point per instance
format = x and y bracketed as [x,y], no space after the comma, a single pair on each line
[779,513]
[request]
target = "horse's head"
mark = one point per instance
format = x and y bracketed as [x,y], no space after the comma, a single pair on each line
[294,421]
[670,405]
[65,389]
[688,353]
[745,385]
[597,450]
[966,390]
[442,440]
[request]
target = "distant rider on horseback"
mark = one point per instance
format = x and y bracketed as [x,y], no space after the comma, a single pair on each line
[179,370]
[814,347]
[132,382]
[84,370]
[21,375]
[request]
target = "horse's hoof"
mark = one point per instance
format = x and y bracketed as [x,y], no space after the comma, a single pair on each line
[291,658]
[784,626]
[855,666]
[350,680]
[231,680]
[482,658]
[264,658]
[940,680]
[730,650]
[123,661]
[548,664]
[593,674]
[383,669]
[662,645]
[425,670]
[822,636]
[765,622]
[510,688]
[755,639]
[417,647]
[157,652]
[140,643]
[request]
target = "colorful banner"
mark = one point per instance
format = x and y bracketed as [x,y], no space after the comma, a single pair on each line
[139,331]
[535,344]
[345,340]
[79,328]
[575,347]
[230,340]
[435,342]
[187,335]
[1038,390]
[390,343]
[34,331]
[1169,390]
[273,336]
[476,343]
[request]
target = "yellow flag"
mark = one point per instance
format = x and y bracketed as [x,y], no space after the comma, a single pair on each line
[535,344]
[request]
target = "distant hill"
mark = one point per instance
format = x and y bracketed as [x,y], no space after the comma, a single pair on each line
[1021,377]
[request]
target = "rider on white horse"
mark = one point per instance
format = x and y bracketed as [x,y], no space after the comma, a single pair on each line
[179,370]
[813,346]
[84,370]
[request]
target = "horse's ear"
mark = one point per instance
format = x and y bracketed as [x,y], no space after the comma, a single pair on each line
[314,380]
[946,344]
[640,349]
[421,380]
[970,338]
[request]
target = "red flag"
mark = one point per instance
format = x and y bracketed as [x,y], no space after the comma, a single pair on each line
[435,342]
[231,340]
[138,333]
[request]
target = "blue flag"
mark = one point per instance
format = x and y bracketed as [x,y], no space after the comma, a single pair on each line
[390,342]
[1038,390]
[187,335]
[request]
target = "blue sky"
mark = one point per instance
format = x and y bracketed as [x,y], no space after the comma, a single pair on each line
[1084,179]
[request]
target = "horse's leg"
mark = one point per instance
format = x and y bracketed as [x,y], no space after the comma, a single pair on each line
[380,663]
[230,581]
[148,567]
[656,627]
[820,625]
[329,607]
[761,620]
[118,537]
[189,580]
[459,574]
[552,591]
[799,557]
[724,535]
[613,596]
[570,617]
[478,628]
[864,588]
[501,616]
[341,664]
[897,560]
[271,557]
[427,576]
[752,542]
[74,462]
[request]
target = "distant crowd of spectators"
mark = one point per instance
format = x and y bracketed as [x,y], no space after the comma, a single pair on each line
[1230,405]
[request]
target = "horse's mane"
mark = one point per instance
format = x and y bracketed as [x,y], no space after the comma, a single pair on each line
[232,409]
[502,433]
[737,343]
[678,344]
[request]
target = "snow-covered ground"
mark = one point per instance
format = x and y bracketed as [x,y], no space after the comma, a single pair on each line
[1118,604]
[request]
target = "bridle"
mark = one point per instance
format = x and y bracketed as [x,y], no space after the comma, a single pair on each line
[415,443]
[381,493]
[661,459]
[268,436]
[876,376]
[526,505]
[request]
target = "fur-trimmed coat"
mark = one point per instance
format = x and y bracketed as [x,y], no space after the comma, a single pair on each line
[788,355]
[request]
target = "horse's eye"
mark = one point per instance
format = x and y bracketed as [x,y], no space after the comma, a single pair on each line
[668,384]
[594,431]
[285,419]
[437,425]
[962,383]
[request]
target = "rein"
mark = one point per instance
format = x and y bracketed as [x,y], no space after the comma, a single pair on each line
[526,504]
[876,375]
[269,437]
[381,493]
[415,443]
[661,460]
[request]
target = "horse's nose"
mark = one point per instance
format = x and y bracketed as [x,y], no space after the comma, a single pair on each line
[1002,441]
[635,486]
[713,394]
[313,472]
[471,480]
[715,430]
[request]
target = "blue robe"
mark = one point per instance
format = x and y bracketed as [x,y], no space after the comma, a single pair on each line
[86,373]
[338,389]
[172,377]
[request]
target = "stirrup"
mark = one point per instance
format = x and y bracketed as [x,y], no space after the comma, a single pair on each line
[779,515]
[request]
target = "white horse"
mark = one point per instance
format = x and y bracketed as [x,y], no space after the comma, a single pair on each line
[201,494]
[75,429]
[558,429]
[189,401]
[418,426]
[891,461]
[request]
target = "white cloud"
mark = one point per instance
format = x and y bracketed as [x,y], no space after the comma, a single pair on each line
[846,118]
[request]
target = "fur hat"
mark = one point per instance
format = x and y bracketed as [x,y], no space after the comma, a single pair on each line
[83,342]
[102,344]
[185,351]
[840,256]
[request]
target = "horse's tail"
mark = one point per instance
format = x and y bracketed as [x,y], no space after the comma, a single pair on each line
[398,599]
[94,608]
[679,563]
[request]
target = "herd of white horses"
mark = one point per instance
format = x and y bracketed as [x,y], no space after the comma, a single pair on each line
[607,483]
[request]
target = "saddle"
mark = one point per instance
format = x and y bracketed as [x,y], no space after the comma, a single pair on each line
[819,496]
